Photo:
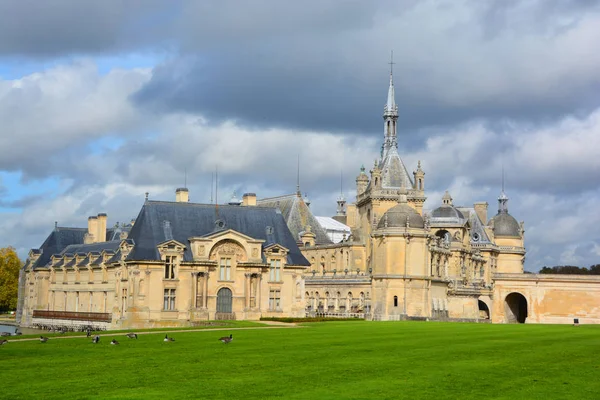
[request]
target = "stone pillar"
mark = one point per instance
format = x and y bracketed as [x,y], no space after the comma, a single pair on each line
[205,293]
[194,285]
[247,287]
[259,294]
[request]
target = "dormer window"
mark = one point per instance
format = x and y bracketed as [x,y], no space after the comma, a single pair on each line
[170,262]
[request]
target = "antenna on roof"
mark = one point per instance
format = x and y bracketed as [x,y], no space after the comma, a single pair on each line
[502,176]
[185,177]
[212,186]
[147,196]
[298,178]
[341,182]
[217,190]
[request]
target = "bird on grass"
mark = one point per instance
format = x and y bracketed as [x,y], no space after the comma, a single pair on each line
[114,342]
[226,339]
[4,333]
[132,335]
[43,339]
[96,339]
[168,339]
[89,333]
[3,341]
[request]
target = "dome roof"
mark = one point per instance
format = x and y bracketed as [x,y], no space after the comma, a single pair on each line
[505,225]
[447,214]
[396,217]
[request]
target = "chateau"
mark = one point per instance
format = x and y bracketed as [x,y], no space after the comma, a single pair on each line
[180,263]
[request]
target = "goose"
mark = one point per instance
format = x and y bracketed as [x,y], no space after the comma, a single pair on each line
[3,341]
[96,339]
[4,333]
[168,339]
[226,339]
[114,342]
[43,339]
[89,333]
[132,335]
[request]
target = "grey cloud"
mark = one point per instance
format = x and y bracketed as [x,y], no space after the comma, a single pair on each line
[336,80]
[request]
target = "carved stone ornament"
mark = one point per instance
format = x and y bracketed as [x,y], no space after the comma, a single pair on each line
[228,248]
[254,252]
[201,250]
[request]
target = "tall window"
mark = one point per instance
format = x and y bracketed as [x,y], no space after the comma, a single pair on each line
[395,301]
[275,271]
[225,269]
[275,299]
[169,303]
[170,267]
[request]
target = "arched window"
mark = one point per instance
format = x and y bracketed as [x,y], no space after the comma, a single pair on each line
[395,301]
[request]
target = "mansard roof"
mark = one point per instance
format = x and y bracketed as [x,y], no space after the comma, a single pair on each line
[297,216]
[57,241]
[113,246]
[159,221]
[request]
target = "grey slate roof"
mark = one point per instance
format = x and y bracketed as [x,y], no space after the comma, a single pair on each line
[447,215]
[297,216]
[505,225]
[393,172]
[478,234]
[396,217]
[92,247]
[189,219]
[56,242]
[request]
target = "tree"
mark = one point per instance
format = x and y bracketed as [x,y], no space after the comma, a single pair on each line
[9,278]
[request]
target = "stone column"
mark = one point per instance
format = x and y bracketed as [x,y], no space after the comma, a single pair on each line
[247,289]
[194,284]
[205,293]
[259,294]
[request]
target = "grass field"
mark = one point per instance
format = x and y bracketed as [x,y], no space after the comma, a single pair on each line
[334,360]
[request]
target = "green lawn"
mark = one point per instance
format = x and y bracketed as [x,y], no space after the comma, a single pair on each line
[334,360]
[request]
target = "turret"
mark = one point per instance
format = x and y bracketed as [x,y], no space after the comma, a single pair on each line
[419,178]
[362,180]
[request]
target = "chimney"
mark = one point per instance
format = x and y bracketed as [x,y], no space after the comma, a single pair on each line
[90,236]
[249,199]
[182,195]
[481,210]
[101,236]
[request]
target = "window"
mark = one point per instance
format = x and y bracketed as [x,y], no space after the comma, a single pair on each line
[395,301]
[274,299]
[169,304]
[225,269]
[275,271]
[170,267]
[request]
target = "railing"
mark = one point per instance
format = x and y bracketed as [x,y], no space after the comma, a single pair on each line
[221,316]
[335,315]
[72,315]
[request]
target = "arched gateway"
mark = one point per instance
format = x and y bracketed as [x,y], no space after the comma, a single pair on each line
[515,306]
[224,298]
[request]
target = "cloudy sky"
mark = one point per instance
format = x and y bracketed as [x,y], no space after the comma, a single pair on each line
[103,101]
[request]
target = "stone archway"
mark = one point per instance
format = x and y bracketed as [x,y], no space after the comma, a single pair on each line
[515,306]
[484,310]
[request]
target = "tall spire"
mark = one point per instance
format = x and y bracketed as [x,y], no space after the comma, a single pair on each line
[298,178]
[390,114]
[503,198]
[391,100]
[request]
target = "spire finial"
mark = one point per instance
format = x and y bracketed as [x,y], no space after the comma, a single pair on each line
[391,65]
[298,178]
